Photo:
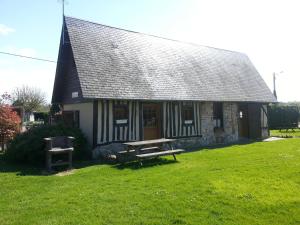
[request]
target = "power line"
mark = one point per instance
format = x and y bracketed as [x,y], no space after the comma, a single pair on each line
[28,57]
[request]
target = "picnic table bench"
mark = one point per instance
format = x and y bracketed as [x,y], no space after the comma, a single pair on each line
[288,128]
[150,149]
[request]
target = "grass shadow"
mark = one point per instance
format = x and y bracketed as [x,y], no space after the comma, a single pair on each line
[18,169]
[134,165]
[27,170]
[221,145]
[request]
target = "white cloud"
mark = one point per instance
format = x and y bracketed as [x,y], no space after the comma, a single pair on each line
[16,72]
[29,52]
[4,30]
[40,78]
[264,30]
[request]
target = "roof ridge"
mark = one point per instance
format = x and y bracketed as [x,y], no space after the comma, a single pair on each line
[151,35]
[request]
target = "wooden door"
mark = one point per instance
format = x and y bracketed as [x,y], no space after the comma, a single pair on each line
[243,121]
[151,121]
[255,127]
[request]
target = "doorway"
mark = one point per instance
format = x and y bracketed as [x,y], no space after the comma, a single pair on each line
[243,121]
[151,121]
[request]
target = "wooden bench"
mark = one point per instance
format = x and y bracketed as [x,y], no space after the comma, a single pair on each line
[154,148]
[157,154]
[292,127]
[150,149]
[142,149]
[126,152]
[58,145]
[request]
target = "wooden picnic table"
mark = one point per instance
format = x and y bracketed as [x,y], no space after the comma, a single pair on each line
[151,148]
[137,145]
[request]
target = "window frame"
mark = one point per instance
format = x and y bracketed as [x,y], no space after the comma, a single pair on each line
[149,111]
[75,115]
[188,106]
[121,121]
[218,115]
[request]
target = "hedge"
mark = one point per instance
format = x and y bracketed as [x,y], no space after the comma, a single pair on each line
[29,147]
[283,116]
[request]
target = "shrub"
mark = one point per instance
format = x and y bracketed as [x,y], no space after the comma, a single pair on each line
[41,116]
[29,147]
[9,123]
[30,124]
[283,116]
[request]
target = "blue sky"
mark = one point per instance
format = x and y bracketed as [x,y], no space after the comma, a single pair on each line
[267,31]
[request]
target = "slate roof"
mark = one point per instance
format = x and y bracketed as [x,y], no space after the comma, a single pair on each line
[113,63]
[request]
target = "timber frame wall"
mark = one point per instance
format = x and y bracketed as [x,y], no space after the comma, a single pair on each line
[106,131]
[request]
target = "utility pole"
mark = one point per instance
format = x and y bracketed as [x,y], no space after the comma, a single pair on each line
[63,17]
[63,8]
[274,85]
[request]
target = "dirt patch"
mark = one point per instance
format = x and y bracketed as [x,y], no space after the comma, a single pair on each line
[65,173]
[273,139]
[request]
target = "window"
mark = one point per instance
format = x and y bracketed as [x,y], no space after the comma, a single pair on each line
[218,114]
[188,113]
[75,94]
[241,115]
[71,118]
[150,117]
[121,114]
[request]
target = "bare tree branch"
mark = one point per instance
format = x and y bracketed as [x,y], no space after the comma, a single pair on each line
[30,98]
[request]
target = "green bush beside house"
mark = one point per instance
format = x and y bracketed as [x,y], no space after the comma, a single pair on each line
[29,147]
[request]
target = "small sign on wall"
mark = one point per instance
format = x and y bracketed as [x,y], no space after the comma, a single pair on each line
[188,122]
[124,121]
[75,94]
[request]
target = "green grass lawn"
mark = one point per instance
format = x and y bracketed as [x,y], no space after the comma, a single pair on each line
[256,183]
[284,133]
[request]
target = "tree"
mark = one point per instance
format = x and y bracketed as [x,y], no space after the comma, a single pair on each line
[30,98]
[9,124]
[54,109]
[5,98]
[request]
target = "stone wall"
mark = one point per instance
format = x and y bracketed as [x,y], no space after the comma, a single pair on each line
[231,127]
[264,133]
[209,137]
[230,121]
[264,122]
[207,124]
[227,135]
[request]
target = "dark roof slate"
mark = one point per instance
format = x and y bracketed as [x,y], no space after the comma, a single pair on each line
[114,63]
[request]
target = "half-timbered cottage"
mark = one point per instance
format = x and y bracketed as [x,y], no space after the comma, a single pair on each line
[119,85]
